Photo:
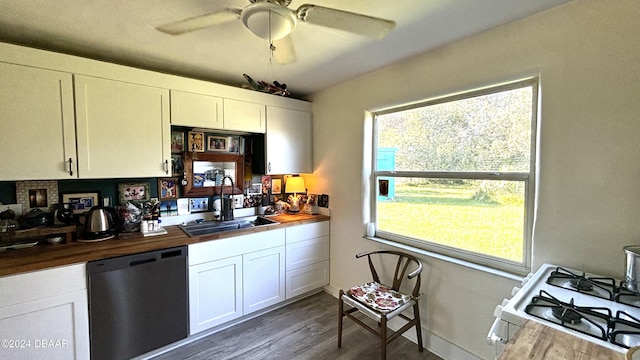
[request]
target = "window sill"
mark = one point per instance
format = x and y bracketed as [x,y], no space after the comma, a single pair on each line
[449,259]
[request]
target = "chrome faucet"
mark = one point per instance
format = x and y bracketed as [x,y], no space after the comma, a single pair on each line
[224,214]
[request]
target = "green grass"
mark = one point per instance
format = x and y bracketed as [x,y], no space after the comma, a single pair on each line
[448,215]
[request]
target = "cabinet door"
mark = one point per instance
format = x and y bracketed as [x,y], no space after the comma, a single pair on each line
[244,116]
[215,293]
[123,129]
[264,278]
[44,314]
[288,141]
[198,110]
[55,327]
[37,129]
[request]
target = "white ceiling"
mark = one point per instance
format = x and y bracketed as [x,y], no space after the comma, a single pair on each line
[123,31]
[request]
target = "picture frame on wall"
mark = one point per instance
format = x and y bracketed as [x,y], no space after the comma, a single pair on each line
[167,188]
[196,141]
[177,166]
[133,192]
[233,144]
[276,186]
[177,141]
[38,198]
[217,143]
[81,202]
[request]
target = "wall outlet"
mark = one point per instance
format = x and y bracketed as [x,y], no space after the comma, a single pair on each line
[238,201]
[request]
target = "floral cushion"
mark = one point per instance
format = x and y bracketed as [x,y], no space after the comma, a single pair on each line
[379,297]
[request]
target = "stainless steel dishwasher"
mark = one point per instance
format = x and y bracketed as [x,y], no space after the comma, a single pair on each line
[137,303]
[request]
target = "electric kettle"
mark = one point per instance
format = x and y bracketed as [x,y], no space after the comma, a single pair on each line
[101,223]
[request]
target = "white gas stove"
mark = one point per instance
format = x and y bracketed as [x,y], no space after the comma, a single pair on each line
[598,309]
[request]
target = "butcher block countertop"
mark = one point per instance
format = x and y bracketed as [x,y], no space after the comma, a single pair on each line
[46,256]
[536,341]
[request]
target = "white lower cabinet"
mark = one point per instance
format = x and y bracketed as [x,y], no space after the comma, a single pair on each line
[215,293]
[307,258]
[263,274]
[232,277]
[44,314]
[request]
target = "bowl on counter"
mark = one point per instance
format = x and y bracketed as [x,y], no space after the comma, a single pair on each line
[55,239]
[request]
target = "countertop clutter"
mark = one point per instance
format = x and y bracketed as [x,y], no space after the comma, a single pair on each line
[536,341]
[46,256]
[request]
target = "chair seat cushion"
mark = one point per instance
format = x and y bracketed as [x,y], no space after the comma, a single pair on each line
[379,297]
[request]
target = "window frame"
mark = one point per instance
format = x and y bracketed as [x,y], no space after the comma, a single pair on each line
[528,178]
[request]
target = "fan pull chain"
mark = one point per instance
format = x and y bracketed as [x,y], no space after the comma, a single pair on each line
[272,48]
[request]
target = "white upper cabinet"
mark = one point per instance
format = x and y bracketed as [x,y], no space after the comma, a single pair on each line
[196,110]
[288,141]
[244,116]
[37,129]
[123,129]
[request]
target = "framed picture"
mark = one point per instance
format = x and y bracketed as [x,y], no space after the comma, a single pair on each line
[198,204]
[177,141]
[276,186]
[254,189]
[177,166]
[169,208]
[168,188]
[38,198]
[133,192]
[266,184]
[196,141]
[233,144]
[217,143]
[80,202]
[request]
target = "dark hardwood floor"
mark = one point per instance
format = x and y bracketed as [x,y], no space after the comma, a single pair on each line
[306,329]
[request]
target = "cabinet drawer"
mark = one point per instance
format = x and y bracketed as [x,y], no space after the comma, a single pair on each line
[307,231]
[307,252]
[237,245]
[305,279]
[20,288]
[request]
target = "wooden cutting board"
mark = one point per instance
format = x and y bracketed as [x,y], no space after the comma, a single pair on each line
[535,341]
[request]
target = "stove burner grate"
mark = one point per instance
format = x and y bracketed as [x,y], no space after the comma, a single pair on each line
[625,330]
[604,288]
[592,321]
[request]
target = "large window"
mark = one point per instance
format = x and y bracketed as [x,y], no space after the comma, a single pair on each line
[456,175]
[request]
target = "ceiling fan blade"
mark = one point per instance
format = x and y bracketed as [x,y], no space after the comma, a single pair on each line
[284,52]
[199,22]
[344,20]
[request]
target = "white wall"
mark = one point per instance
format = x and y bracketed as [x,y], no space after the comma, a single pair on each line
[587,54]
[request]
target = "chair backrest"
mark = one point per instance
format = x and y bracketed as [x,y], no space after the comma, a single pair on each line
[402,265]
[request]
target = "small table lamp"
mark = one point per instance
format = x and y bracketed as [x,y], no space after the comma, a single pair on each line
[295,184]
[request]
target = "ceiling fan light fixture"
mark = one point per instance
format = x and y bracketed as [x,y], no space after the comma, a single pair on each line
[259,17]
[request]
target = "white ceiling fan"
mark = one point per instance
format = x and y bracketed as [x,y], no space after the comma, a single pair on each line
[274,21]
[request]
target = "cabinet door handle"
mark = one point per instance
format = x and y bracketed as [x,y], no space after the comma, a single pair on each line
[70,166]
[269,167]
[166,167]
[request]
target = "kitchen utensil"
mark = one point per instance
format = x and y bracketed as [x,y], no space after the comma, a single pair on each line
[101,223]
[63,213]
[632,279]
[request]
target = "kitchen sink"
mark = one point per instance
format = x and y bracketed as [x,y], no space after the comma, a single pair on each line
[213,227]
